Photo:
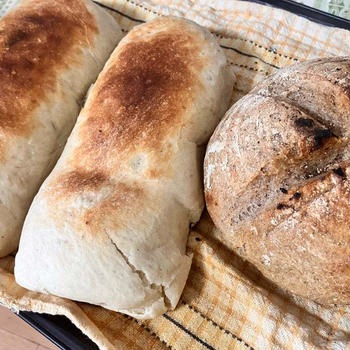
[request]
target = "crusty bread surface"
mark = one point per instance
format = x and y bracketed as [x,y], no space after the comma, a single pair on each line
[276,179]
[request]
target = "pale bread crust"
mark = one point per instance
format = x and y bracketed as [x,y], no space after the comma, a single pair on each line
[44,75]
[116,210]
[276,178]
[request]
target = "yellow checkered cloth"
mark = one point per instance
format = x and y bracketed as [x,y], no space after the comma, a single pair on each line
[226,303]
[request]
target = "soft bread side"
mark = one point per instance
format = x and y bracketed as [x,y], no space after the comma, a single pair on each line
[116,210]
[277,179]
[50,52]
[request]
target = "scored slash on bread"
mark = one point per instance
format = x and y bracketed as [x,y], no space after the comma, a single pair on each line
[276,178]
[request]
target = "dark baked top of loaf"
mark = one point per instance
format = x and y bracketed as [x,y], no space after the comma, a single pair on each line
[34,49]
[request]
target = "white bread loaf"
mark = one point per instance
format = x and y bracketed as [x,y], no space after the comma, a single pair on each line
[109,225]
[50,53]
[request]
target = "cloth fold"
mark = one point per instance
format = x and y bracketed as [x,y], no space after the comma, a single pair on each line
[227,303]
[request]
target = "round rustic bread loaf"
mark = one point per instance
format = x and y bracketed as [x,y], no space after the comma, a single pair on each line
[276,179]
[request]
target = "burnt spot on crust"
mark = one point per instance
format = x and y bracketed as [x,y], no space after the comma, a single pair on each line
[340,172]
[34,48]
[318,134]
[281,206]
[297,195]
[80,180]
[283,190]
[321,136]
[304,122]
[142,96]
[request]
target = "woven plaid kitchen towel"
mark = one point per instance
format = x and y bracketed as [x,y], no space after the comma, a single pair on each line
[226,304]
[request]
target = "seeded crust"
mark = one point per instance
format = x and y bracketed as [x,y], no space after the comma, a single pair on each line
[276,177]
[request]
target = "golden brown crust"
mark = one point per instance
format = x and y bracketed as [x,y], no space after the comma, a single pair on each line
[75,180]
[33,39]
[127,186]
[140,97]
[277,179]
[140,100]
[124,196]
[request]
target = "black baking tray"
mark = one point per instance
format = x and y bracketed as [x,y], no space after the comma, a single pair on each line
[59,329]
